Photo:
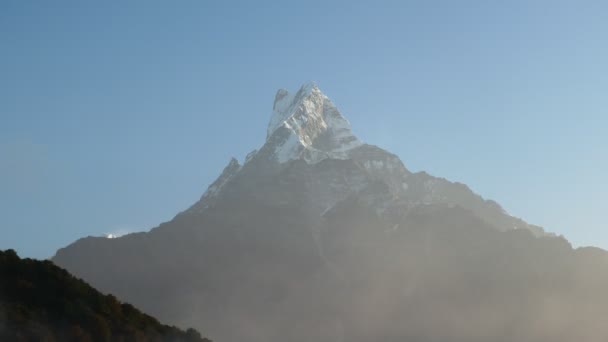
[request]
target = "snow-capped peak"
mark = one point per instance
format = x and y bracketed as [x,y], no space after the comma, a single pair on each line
[310,126]
[285,105]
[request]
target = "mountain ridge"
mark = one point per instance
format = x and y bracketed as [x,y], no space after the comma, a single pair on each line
[299,120]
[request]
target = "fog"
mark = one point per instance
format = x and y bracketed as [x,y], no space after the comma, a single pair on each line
[268,273]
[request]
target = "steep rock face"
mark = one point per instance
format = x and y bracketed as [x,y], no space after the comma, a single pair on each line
[319,236]
[307,125]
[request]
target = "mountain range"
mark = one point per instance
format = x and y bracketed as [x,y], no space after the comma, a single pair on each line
[319,236]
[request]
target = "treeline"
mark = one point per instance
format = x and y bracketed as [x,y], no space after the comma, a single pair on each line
[42,302]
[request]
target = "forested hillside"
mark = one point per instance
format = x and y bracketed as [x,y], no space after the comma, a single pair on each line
[42,302]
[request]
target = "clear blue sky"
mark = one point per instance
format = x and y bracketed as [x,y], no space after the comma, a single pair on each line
[114,117]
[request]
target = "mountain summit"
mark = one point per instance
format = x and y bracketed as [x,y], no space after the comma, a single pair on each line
[317,236]
[308,125]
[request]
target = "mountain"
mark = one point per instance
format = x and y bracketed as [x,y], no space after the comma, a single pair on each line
[307,127]
[42,302]
[320,236]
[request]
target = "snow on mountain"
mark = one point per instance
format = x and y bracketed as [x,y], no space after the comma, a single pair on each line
[308,126]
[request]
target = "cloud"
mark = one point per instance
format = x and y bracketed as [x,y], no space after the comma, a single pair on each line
[122,230]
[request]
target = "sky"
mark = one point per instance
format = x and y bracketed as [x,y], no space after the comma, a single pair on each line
[115,116]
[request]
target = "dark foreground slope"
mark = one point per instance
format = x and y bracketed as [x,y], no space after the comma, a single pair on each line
[42,302]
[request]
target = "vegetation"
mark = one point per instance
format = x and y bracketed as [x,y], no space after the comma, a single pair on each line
[42,302]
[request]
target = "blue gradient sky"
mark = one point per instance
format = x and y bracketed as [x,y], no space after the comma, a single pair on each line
[115,117]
